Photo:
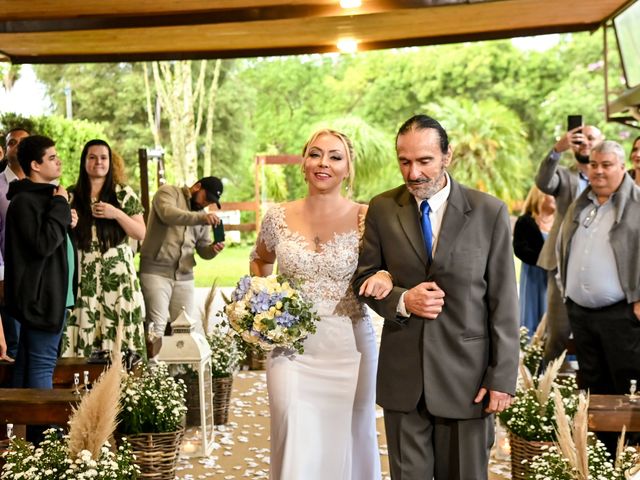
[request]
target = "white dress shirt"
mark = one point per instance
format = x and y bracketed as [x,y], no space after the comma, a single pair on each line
[438,204]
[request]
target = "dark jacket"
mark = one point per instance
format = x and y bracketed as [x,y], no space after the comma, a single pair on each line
[527,239]
[36,270]
[474,340]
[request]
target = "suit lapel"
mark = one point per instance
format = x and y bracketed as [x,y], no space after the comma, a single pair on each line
[408,217]
[455,217]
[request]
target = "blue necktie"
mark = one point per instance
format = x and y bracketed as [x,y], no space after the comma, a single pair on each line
[425,223]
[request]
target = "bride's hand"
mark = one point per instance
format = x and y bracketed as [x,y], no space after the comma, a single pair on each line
[377,285]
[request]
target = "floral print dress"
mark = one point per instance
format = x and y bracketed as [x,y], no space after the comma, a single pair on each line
[108,291]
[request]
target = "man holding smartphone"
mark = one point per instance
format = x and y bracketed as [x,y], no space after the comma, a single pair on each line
[565,184]
[179,225]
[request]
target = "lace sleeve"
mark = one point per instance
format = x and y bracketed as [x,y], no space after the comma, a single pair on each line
[268,236]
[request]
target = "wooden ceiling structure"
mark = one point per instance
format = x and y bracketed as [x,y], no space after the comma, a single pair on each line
[68,31]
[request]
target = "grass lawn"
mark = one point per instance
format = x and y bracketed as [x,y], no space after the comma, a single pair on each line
[233,263]
[226,268]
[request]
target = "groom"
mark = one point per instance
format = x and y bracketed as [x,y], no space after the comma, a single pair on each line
[449,348]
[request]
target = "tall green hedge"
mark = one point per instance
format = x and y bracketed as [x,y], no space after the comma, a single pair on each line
[69,135]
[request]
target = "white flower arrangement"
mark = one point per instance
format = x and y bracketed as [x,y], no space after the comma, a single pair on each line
[152,402]
[85,453]
[269,312]
[552,465]
[52,461]
[577,454]
[532,349]
[531,416]
[225,352]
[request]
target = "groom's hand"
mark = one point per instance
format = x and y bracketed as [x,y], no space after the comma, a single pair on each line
[498,401]
[424,300]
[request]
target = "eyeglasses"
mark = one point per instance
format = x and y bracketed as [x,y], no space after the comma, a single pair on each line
[588,220]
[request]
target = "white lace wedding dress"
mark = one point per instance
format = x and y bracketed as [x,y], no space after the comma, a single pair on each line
[322,402]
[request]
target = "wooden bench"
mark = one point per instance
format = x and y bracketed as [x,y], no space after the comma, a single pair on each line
[32,406]
[608,413]
[63,373]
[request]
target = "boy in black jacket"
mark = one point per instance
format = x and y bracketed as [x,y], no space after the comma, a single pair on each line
[40,263]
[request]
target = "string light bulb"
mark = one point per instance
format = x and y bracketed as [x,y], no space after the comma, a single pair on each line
[347,45]
[350,3]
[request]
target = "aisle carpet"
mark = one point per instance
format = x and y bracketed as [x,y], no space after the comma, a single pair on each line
[242,446]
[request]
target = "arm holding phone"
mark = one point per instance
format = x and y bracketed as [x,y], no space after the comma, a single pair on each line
[570,140]
[218,237]
[547,179]
[574,136]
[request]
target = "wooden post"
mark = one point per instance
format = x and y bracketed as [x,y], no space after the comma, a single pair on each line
[143,162]
[258,190]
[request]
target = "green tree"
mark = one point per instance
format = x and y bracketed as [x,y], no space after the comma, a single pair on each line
[490,146]
[110,94]
[376,168]
[10,74]
[69,135]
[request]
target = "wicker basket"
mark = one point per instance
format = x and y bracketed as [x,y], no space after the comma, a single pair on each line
[523,450]
[157,453]
[257,360]
[221,398]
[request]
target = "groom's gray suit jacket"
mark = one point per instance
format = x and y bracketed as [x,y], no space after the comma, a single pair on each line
[474,340]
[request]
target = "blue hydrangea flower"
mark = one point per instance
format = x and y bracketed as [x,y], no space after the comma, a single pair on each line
[286,319]
[260,302]
[244,284]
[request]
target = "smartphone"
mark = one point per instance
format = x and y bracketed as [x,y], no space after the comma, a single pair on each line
[218,233]
[574,121]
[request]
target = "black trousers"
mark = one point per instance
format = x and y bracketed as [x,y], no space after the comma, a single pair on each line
[607,344]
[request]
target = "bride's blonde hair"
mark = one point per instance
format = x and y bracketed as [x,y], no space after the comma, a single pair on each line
[348,148]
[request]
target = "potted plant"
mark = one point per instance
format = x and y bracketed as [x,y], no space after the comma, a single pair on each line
[86,452]
[578,455]
[532,348]
[531,420]
[226,356]
[151,419]
[53,460]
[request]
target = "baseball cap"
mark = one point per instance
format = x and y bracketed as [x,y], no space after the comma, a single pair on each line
[213,187]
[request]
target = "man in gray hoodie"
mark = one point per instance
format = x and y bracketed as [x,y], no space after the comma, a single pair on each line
[179,225]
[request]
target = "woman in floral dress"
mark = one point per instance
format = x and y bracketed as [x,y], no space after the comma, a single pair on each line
[109,213]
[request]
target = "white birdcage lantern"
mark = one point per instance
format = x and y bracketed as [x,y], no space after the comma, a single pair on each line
[186,346]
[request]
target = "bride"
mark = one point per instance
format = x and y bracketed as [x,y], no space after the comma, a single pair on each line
[322,403]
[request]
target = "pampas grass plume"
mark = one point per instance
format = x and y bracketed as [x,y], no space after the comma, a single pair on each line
[546,381]
[538,336]
[563,433]
[208,304]
[92,424]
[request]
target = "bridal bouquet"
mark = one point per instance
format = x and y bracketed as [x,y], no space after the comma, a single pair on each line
[270,312]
